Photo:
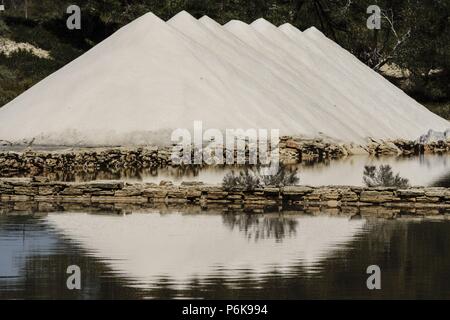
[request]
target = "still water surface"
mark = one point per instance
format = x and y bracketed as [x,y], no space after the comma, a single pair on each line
[428,170]
[215,255]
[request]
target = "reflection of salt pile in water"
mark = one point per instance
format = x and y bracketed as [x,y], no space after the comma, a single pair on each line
[180,248]
[151,77]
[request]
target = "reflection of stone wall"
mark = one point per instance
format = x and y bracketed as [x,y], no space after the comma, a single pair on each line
[91,161]
[84,160]
[41,190]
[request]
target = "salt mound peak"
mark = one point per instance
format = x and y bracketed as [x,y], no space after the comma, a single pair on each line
[314,31]
[208,19]
[148,18]
[211,23]
[243,31]
[263,25]
[182,16]
[288,28]
[183,20]
[269,30]
[262,22]
[235,24]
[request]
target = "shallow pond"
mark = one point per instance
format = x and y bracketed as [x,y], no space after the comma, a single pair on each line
[429,170]
[214,255]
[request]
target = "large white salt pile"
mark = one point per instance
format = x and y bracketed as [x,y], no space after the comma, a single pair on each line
[152,77]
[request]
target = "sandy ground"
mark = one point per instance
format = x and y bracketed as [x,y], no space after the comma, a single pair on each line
[8,47]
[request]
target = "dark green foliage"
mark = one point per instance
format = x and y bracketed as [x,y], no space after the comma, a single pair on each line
[251,179]
[4,29]
[383,177]
[20,71]
[441,109]
[7,85]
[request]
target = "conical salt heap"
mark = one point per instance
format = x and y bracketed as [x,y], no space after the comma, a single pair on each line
[152,77]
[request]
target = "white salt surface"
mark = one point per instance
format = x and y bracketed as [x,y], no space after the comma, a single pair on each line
[152,77]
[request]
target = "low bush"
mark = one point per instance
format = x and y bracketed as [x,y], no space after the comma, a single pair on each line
[383,177]
[251,179]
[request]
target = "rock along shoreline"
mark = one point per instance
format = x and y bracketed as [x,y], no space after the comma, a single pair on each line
[30,163]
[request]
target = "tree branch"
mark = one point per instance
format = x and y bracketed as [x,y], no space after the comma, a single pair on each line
[400,41]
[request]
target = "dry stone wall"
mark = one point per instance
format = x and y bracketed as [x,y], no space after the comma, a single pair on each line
[41,190]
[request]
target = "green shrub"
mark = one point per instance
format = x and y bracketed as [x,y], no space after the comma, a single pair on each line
[284,176]
[249,179]
[246,180]
[383,177]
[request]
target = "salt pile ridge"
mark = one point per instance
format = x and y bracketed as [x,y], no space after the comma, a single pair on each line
[152,77]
